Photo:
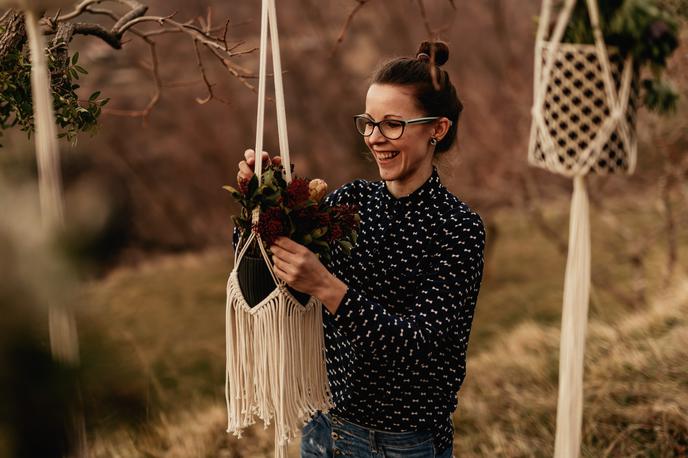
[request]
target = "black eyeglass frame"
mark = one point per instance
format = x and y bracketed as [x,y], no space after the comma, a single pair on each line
[404,123]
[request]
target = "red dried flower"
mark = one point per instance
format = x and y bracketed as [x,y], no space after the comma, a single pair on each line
[271,225]
[297,192]
[335,233]
[324,218]
[305,219]
[346,215]
[243,186]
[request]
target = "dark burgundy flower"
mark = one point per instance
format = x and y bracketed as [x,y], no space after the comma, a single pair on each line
[346,215]
[305,219]
[335,233]
[243,186]
[297,192]
[271,225]
[324,218]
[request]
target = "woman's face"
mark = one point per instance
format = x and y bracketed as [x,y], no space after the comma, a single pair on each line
[407,159]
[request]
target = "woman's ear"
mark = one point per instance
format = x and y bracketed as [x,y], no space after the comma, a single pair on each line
[441,128]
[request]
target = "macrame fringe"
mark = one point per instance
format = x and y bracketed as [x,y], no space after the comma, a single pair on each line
[275,363]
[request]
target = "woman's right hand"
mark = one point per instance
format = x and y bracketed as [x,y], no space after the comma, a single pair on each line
[246,166]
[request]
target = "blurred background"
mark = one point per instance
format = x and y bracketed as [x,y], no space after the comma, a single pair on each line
[146,250]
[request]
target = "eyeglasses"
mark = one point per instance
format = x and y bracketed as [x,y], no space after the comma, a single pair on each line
[391,129]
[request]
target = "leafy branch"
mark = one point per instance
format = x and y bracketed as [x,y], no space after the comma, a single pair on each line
[75,114]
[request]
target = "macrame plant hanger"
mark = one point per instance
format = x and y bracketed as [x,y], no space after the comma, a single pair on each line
[585,99]
[275,350]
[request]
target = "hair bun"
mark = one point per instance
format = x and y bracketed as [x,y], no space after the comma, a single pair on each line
[439,48]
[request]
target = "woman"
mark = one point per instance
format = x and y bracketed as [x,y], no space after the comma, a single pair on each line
[398,310]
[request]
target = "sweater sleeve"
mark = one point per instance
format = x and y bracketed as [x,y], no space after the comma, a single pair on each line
[351,193]
[442,308]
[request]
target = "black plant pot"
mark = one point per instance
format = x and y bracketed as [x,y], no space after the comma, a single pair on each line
[256,283]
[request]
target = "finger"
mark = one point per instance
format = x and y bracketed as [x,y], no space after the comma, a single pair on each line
[249,155]
[283,265]
[289,262]
[289,245]
[245,171]
[280,253]
[282,275]
[279,272]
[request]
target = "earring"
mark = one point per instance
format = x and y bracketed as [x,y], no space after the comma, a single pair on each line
[433,141]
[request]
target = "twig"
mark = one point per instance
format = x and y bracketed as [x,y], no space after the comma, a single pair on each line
[153,100]
[136,16]
[208,85]
[424,16]
[347,23]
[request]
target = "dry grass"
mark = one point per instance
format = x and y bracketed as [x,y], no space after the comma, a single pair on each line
[197,432]
[636,388]
[636,397]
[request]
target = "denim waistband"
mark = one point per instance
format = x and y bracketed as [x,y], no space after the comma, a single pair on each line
[381,437]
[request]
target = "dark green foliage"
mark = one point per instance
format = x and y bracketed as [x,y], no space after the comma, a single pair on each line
[72,115]
[644,29]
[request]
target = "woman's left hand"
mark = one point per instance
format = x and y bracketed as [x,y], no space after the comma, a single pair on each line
[298,266]
[301,269]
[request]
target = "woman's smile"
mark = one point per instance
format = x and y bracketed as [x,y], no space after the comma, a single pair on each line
[385,157]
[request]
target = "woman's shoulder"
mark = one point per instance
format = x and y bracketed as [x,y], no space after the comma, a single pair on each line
[460,218]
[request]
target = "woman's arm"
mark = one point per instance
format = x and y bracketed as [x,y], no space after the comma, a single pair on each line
[303,271]
[443,308]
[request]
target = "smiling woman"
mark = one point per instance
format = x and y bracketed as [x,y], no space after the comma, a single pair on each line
[398,309]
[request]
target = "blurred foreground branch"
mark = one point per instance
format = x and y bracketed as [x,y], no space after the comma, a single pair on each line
[433,33]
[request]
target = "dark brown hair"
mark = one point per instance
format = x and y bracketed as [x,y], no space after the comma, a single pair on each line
[417,72]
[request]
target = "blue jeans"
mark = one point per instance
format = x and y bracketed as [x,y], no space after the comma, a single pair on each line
[328,436]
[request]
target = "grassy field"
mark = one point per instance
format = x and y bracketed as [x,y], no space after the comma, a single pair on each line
[164,323]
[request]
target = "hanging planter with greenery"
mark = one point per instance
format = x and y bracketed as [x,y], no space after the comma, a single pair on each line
[588,82]
[295,210]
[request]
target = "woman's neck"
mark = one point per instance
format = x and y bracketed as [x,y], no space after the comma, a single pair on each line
[406,186]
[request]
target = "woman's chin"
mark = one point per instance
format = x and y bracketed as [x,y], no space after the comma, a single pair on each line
[387,172]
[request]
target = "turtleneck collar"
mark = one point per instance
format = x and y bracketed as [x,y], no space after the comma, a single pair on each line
[430,187]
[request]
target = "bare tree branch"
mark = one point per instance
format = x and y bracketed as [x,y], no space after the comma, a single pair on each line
[156,95]
[347,24]
[424,16]
[208,85]
[65,26]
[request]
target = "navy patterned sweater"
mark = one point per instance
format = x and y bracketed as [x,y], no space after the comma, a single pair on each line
[396,347]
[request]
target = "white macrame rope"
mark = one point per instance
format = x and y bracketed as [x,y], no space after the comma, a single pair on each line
[582,122]
[573,327]
[279,92]
[260,121]
[269,16]
[276,350]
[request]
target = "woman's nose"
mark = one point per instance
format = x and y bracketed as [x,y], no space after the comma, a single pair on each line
[376,136]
